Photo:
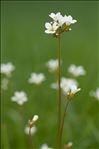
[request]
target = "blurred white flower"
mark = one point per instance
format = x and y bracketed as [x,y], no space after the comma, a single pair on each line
[51,28]
[36,78]
[35,118]
[95,94]
[45,146]
[4,83]
[33,130]
[52,65]
[19,97]
[69,86]
[7,69]
[76,70]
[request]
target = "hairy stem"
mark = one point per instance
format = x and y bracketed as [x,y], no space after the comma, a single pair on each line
[59,88]
[62,124]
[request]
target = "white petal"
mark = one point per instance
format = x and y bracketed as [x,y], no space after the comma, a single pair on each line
[48,25]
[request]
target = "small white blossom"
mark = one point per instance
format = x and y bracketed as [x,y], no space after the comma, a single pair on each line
[95,94]
[7,69]
[69,86]
[51,28]
[69,20]
[36,78]
[58,18]
[19,97]
[35,118]
[33,130]
[52,65]
[76,70]
[45,146]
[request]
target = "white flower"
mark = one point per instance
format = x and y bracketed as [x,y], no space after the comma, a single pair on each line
[51,28]
[76,70]
[95,93]
[52,65]
[69,86]
[19,97]
[35,118]
[69,20]
[33,130]
[58,18]
[45,146]
[7,69]
[36,78]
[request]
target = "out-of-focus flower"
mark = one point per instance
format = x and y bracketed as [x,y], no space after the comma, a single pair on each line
[51,28]
[95,94]
[52,65]
[76,70]
[19,97]
[68,145]
[45,146]
[69,86]
[36,78]
[4,83]
[35,118]
[33,130]
[31,122]
[7,69]
[59,24]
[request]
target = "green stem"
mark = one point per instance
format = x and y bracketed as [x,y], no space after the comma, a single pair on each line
[62,124]
[59,87]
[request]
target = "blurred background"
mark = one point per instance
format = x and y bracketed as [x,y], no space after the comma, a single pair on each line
[24,43]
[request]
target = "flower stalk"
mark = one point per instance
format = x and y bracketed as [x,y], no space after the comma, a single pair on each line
[30,138]
[62,124]
[59,87]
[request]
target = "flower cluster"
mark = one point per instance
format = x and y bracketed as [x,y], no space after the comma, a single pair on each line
[76,71]
[59,24]
[36,78]
[19,97]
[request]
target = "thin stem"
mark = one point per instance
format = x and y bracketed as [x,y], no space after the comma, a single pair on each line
[62,124]
[30,138]
[59,87]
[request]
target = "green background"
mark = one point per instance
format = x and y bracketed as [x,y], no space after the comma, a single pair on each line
[24,43]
